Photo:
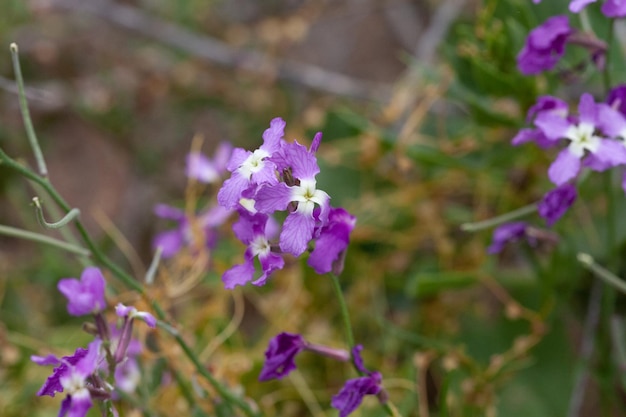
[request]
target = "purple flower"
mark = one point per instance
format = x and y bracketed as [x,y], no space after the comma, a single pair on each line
[280,355]
[614,8]
[556,202]
[544,46]
[254,230]
[576,6]
[353,391]
[207,170]
[299,225]
[252,168]
[332,241]
[506,233]
[584,142]
[172,241]
[84,296]
[545,104]
[73,377]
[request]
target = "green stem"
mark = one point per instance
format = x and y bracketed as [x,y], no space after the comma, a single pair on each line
[503,218]
[46,240]
[28,124]
[73,214]
[604,274]
[606,73]
[345,315]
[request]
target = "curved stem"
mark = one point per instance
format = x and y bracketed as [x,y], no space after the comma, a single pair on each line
[71,215]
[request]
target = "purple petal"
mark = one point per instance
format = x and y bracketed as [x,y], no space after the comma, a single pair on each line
[280,355]
[237,158]
[168,212]
[547,104]
[577,5]
[230,193]
[85,296]
[611,152]
[553,126]
[587,109]
[273,135]
[45,360]
[352,393]
[271,198]
[302,162]
[201,168]
[555,203]
[614,8]
[80,404]
[170,242]
[506,233]
[564,168]
[53,383]
[269,263]
[610,121]
[296,234]
[617,98]
[332,241]
[239,274]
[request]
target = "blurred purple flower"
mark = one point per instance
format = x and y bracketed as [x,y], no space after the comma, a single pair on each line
[544,46]
[84,296]
[331,243]
[555,203]
[506,233]
[353,391]
[584,142]
[208,170]
[280,355]
[172,241]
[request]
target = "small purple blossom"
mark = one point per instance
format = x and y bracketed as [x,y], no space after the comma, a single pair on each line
[72,376]
[332,241]
[585,143]
[506,233]
[255,230]
[84,296]
[353,391]
[251,168]
[555,203]
[544,46]
[280,355]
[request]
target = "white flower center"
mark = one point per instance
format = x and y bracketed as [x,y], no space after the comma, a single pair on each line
[306,195]
[260,246]
[582,138]
[73,383]
[253,164]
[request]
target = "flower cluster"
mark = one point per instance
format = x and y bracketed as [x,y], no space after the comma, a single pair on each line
[280,360]
[83,375]
[281,176]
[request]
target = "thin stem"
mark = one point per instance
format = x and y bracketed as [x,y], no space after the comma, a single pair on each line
[46,240]
[503,218]
[607,276]
[154,265]
[606,73]
[28,124]
[71,215]
[345,315]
